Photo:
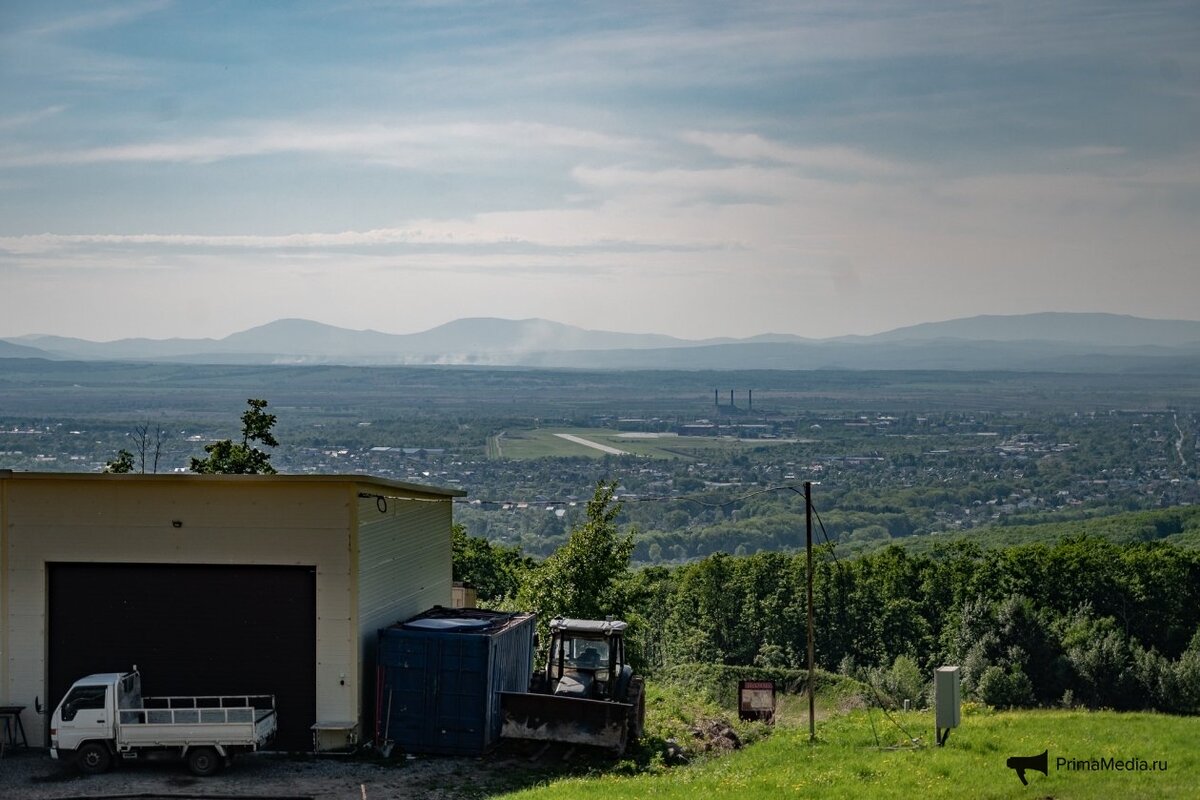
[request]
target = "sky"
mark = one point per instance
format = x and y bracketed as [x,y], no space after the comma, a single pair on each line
[695,168]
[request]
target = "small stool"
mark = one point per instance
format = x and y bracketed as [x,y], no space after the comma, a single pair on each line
[11,716]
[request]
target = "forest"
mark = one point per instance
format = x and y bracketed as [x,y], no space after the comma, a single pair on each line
[1079,622]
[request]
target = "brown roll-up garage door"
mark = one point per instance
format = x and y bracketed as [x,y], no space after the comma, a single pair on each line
[190,629]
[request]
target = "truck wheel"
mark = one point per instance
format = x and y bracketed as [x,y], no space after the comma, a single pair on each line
[93,758]
[204,761]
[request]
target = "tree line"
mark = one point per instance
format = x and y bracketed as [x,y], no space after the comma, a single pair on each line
[1080,622]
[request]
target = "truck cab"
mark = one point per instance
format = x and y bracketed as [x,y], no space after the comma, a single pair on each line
[88,712]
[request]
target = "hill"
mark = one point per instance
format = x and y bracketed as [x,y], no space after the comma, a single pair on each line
[1109,330]
[1051,342]
[14,350]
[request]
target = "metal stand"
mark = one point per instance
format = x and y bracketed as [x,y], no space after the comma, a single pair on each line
[11,717]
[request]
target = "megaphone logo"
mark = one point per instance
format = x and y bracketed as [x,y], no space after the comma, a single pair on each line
[1022,763]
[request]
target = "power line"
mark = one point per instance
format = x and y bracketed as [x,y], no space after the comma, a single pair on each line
[874,690]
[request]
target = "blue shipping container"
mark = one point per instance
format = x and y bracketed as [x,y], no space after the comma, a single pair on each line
[441,674]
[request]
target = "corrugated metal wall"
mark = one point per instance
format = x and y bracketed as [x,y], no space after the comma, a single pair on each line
[512,666]
[404,567]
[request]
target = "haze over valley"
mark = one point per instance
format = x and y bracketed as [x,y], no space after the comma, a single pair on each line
[1047,341]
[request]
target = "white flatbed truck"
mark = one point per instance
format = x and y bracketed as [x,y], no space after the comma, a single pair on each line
[104,718]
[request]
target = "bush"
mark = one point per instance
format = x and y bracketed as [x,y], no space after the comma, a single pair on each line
[1187,680]
[905,681]
[1005,689]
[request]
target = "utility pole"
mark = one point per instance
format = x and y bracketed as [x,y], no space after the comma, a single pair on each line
[812,719]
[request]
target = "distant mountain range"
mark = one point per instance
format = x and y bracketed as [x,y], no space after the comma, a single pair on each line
[1048,341]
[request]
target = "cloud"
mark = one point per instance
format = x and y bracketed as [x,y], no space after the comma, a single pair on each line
[486,231]
[29,117]
[696,184]
[404,145]
[1097,151]
[106,17]
[433,234]
[1003,153]
[834,158]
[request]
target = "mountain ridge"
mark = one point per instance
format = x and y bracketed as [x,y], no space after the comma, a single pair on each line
[1045,340]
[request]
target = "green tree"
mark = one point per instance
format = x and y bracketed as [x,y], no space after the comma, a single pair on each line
[704,625]
[1005,689]
[122,464]
[227,458]
[495,571]
[586,577]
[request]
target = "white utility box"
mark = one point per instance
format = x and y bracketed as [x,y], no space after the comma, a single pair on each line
[947,700]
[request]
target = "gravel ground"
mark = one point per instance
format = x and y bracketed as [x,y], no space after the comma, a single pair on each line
[33,775]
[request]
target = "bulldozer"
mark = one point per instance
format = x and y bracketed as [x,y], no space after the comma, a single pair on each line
[586,693]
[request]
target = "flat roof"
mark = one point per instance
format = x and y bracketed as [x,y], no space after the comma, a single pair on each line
[403,487]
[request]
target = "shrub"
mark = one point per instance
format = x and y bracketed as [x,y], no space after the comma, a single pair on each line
[1005,689]
[1187,680]
[905,681]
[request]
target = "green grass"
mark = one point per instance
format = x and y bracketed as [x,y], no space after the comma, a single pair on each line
[844,762]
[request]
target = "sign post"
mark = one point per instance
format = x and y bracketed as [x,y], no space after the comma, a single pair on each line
[756,700]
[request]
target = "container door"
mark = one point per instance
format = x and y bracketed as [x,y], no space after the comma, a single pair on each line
[458,696]
[435,700]
[404,705]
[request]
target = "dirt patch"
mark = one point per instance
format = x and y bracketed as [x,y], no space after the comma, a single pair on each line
[35,776]
[715,735]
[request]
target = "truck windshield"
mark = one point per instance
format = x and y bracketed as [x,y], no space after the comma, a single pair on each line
[83,697]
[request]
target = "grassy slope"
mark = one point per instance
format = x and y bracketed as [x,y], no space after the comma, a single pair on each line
[846,764]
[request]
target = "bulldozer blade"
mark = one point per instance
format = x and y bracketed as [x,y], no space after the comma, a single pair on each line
[549,718]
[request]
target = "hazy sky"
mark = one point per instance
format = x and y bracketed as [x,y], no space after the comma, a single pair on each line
[693,168]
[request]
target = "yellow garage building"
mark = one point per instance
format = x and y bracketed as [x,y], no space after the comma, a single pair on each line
[215,584]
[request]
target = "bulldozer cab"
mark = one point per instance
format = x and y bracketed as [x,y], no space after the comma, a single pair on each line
[587,658]
[578,652]
[587,693]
